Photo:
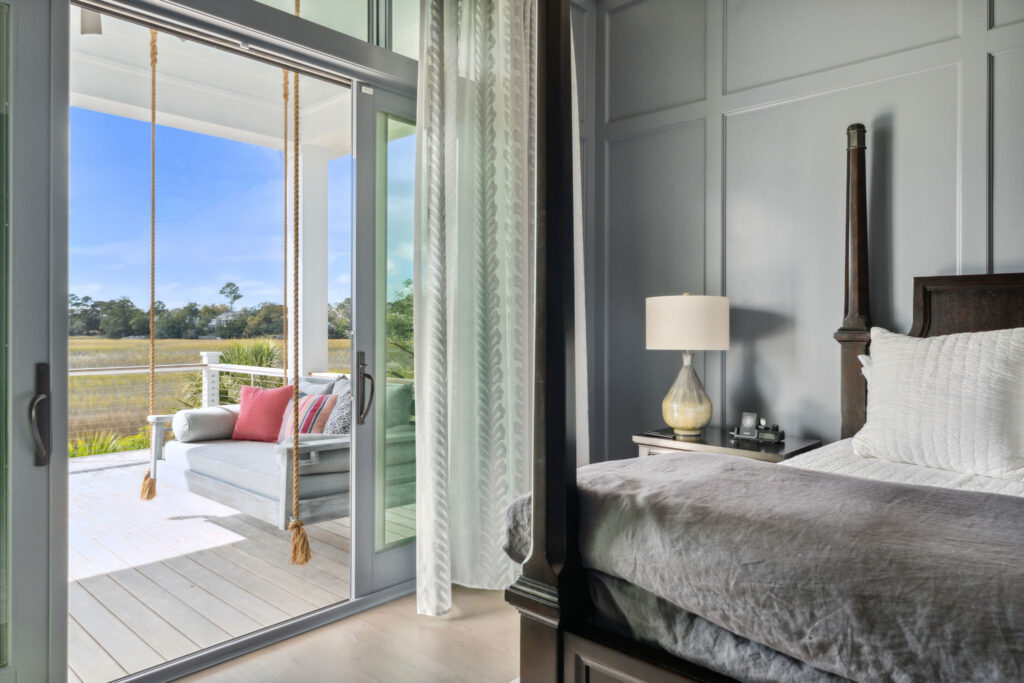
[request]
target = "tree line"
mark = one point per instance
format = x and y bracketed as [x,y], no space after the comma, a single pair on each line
[119,318]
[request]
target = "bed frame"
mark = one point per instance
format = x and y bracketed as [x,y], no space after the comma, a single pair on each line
[943,304]
[560,640]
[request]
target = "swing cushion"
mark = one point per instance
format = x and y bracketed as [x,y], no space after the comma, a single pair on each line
[259,468]
[260,413]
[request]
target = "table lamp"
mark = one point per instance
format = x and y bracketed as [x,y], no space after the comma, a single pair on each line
[687,323]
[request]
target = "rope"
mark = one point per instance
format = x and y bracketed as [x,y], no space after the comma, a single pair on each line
[301,552]
[284,242]
[149,480]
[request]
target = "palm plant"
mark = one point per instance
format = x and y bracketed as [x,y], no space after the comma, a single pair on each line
[261,353]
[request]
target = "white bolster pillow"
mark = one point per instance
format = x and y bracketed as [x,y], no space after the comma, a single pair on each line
[204,424]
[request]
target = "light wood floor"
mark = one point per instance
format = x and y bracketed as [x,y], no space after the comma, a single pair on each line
[477,641]
[151,581]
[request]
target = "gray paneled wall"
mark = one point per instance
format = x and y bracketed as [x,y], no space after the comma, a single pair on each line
[715,163]
[584,34]
[1008,158]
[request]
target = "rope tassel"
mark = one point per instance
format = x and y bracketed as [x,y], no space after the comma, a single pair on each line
[301,553]
[148,487]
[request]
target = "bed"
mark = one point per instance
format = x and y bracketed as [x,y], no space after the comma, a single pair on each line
[592,610]
[769,572]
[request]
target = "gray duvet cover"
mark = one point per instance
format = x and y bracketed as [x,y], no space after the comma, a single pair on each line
[868,580]
[641,615]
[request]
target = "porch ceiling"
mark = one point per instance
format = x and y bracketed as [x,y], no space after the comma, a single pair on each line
[200,88]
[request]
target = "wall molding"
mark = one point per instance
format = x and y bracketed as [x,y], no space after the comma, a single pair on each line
[970,53]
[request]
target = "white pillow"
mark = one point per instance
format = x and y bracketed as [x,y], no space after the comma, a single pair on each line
[954,402]
[865,367]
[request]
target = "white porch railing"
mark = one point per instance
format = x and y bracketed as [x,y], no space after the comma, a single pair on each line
[212,367]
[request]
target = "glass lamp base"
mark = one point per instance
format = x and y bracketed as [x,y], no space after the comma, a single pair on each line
[687,408]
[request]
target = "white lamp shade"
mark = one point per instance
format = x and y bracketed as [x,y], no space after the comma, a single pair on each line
[688,323]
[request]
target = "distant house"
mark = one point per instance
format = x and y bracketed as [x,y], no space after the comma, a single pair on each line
[222,319]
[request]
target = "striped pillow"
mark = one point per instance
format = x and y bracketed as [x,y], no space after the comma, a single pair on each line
[313,413]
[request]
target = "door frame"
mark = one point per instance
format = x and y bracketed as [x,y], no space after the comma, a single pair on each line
[371,570]
[37,319]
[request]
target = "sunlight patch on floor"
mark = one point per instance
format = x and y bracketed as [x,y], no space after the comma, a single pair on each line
[107,516]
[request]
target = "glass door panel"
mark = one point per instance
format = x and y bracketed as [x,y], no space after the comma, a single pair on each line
[395,515]
[405,27]
[351,17]
[384,481]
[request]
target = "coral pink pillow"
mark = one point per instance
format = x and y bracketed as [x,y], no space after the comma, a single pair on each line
[260,413]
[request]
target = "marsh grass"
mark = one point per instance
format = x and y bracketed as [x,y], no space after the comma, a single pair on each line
[96,443]
[119,404]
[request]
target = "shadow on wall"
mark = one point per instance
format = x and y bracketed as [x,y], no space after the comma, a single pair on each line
[880,235]
[746,327]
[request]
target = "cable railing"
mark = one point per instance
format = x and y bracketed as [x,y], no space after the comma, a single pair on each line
[108,406]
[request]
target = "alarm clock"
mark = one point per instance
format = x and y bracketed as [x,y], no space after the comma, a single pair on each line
[748,426]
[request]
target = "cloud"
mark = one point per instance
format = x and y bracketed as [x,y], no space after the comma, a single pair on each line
[403,250]
[86,289]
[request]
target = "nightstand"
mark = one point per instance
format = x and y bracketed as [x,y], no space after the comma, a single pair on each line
[720,441]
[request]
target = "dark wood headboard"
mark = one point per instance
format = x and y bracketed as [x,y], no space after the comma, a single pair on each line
[967,303]
[943,304]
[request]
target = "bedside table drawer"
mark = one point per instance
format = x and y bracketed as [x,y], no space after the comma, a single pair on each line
[643,451]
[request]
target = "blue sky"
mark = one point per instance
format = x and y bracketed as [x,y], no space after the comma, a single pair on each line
[219,214]
[401,191]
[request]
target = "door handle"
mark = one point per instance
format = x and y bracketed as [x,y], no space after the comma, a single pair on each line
[39,415]
[363,376]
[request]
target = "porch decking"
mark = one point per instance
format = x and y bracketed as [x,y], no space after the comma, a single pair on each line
[150,581]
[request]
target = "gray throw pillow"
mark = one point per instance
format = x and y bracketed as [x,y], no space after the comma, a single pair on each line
[316,385]
[398,400]
[340,420]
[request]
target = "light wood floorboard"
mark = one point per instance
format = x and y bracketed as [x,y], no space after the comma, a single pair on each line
[477,641]
[151,581]
[92,662]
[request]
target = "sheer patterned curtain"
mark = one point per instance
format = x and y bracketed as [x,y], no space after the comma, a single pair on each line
[474,285]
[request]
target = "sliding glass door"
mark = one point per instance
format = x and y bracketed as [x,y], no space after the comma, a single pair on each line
[385,488]
[240,151]
[32,192]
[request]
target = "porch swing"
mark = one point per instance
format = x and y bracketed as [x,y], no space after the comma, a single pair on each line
[260,479]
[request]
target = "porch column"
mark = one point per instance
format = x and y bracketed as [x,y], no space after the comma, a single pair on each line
[312,262]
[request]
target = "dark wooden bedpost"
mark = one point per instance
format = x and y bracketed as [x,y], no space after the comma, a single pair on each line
[855,334]
[540,593]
